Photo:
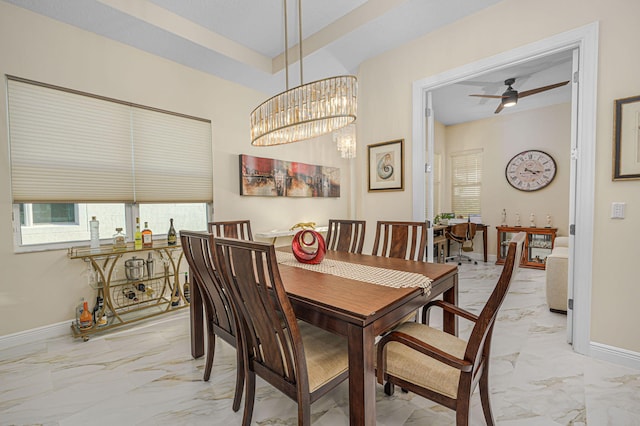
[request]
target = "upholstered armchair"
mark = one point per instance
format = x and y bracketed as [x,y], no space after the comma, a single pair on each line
[557,278]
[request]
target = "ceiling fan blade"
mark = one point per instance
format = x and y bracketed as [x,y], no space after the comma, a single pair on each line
[500,107]
[489,96]
[541,89]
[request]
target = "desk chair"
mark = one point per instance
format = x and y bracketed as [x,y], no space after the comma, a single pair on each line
[402,240]
[198,252]
[346,235]
[240,229]
[302,361]
[439,366]
[463,234]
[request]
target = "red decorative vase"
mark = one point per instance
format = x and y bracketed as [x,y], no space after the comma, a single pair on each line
[308,247]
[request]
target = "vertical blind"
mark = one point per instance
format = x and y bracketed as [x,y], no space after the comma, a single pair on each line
[68,146]
[466,181]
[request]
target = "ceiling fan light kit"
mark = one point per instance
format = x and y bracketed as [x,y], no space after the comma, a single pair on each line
[510,96]
[307,111]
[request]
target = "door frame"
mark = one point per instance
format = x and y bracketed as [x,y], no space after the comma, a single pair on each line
[585,39]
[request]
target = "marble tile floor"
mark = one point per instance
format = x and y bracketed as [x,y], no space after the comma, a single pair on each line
[146,376]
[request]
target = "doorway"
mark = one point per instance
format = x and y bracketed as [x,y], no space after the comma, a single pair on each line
[584,41]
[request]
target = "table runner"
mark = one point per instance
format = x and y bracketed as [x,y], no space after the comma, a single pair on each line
[354,271]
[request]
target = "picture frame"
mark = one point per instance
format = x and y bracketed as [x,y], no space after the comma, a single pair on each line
[386,166]
[268,177]
[626,140]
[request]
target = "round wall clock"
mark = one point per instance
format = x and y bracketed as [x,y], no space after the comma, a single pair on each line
[530,170]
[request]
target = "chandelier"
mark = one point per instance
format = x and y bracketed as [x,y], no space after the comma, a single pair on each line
[305,111]
[345,139]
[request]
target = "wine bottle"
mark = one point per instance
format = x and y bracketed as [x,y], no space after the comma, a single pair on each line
[86,319]
[175,299]
[96,309]
[172,236]
[186,288]
[147,240]
[137,237]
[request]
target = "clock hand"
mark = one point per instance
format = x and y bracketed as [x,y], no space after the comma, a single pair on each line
[532,171]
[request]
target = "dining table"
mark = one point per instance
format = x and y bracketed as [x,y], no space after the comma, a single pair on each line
[356,309]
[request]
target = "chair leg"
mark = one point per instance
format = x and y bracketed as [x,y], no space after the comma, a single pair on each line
[462,413]
[250,397]
[389,388]
[211,350]
[484,397]
[240,373]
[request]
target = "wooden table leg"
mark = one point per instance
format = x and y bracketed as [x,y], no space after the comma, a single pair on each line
[484,243]
[197,323]
[449,320]
[362,380]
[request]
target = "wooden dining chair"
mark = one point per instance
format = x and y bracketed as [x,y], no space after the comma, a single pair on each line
[440,366]
[346,235]
[240,229]
[198,252]
[302,361]
[403,240]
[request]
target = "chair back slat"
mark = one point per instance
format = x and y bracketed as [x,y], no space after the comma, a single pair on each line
[197,248]
[270,330]
[403,240]
[346,235]
[239,229]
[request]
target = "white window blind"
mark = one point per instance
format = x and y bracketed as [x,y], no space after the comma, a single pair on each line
[466,181]
[68,146]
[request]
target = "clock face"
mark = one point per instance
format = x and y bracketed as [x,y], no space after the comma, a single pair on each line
[530,170]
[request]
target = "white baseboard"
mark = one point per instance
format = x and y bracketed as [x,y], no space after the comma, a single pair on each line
[36,334]
[615,355]
[61,329]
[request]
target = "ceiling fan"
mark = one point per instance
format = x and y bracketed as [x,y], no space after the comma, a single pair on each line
[510,96]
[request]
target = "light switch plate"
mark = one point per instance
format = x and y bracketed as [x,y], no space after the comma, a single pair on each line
[617,210]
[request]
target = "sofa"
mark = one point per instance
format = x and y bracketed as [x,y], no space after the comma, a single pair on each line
[556,275]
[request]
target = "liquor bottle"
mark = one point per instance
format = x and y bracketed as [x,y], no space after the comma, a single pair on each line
[96,308]
[186,288]
[172,236]
[175,299]
[94,231]
[137,237]
[147,240]
[86,319]
[119,240]
[99,314]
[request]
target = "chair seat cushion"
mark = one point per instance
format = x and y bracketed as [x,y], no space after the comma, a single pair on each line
[422,370]
[326,354]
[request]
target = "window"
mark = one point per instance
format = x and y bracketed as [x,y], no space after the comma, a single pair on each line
[466,182]
[75,155]
[48,213]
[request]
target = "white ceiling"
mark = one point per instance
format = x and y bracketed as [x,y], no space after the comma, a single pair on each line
[243,41]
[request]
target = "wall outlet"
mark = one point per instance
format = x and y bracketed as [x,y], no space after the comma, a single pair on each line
[617,210]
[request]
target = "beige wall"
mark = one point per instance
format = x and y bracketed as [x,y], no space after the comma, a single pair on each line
[503,136]
[42,288]
[385,114]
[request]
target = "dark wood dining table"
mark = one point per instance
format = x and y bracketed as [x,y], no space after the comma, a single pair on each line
[358,310]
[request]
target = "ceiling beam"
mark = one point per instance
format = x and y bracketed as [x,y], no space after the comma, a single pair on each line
[369,11]
[183,28]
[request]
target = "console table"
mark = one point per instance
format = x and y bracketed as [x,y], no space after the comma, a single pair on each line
[130,300]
